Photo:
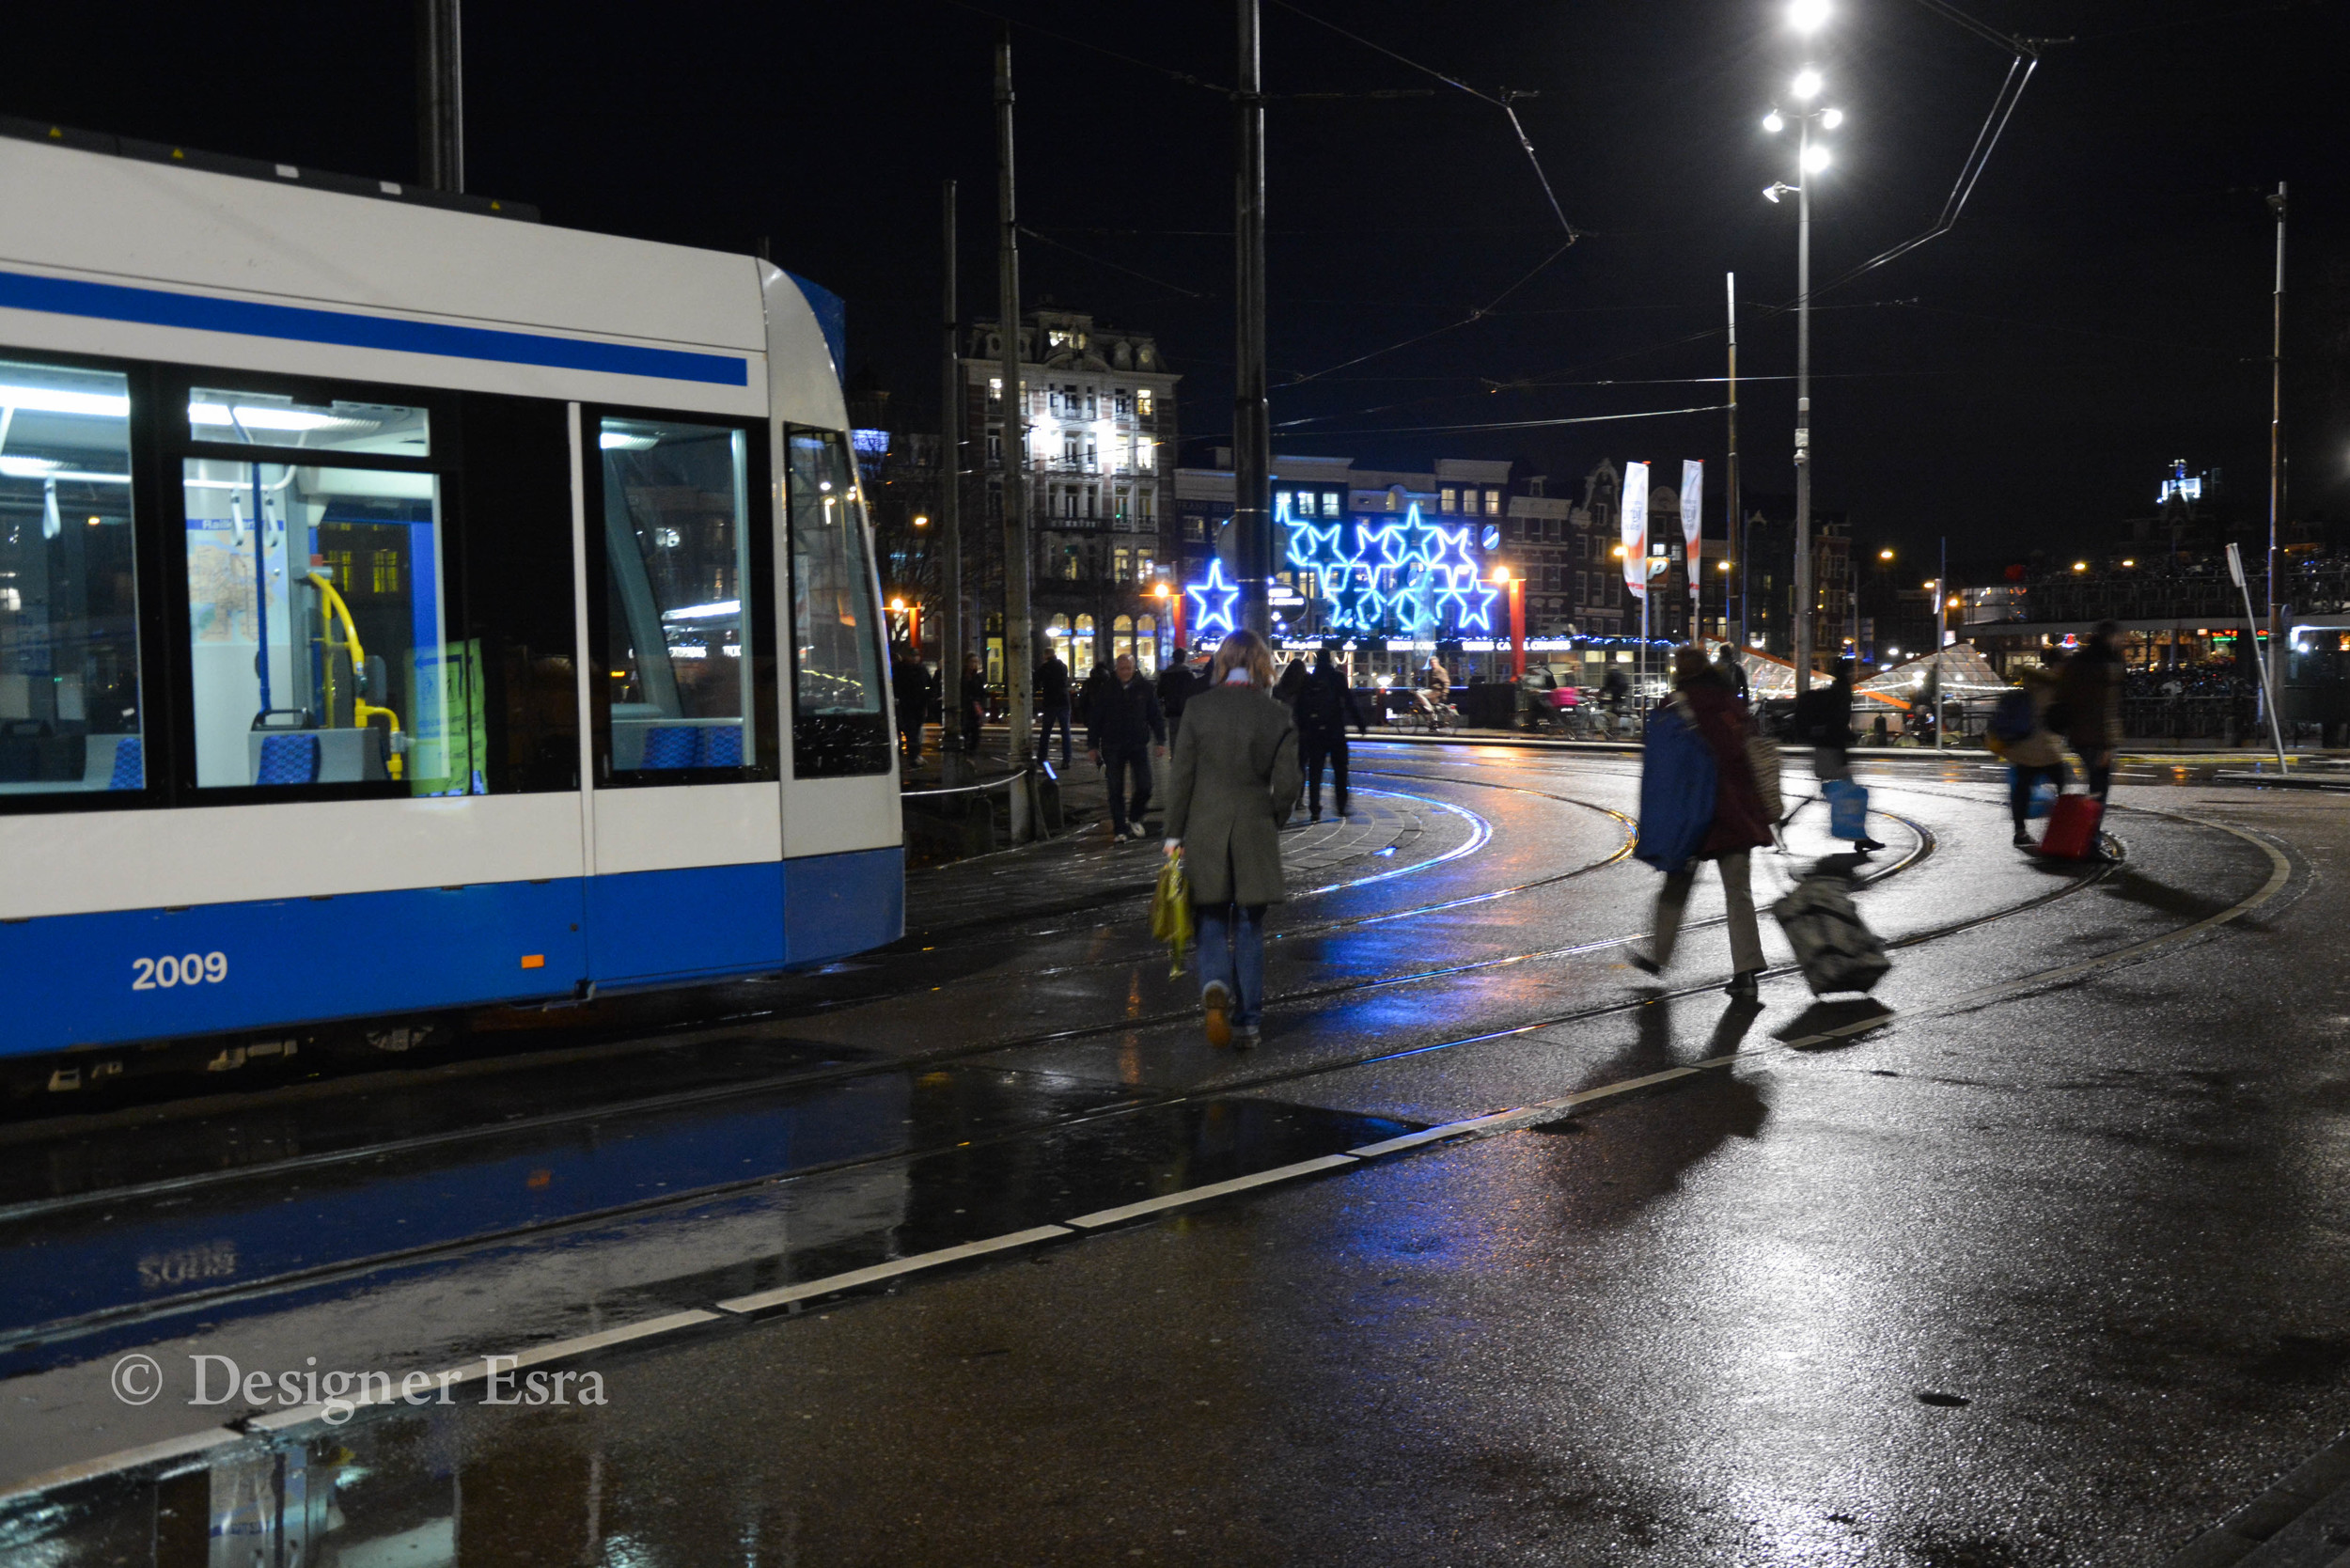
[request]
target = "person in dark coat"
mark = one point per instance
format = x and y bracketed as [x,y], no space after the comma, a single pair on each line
[1325,707]
[1177,681]
[1052,707]
[1741,825]
[1233,782]
[974,701]
[1292,680]
[1614,688]
[1122,724]
[911,684]
[2088,698]
[1824,717]
[1735,667]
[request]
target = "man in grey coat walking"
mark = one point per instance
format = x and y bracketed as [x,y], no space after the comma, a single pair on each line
[1233,782]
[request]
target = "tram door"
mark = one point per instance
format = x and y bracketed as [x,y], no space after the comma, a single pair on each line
[688,843]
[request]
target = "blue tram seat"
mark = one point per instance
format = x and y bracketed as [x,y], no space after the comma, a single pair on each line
[129,770]
[721,746]
[287,760]
[669,745]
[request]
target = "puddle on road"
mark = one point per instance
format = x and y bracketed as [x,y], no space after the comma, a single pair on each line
[383,1486]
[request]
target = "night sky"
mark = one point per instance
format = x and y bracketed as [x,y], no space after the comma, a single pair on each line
[2100,308]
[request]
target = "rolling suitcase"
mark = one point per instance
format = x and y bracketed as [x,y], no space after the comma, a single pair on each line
[2072,833]
[1834,948]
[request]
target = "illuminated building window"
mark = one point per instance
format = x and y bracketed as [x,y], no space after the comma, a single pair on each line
[995,446]
[383,572]
[1142,394]
[1146,455]
[1492,503]
[1122,562]
[1120,404]
[1450,500]
[1329,503]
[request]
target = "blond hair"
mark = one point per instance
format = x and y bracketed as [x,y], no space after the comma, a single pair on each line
[1243,649]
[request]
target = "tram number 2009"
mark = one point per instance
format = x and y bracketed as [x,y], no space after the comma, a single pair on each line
[160,974]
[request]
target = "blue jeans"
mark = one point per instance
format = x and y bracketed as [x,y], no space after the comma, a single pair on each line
[1232,950]
[1119,764]
[1049,717]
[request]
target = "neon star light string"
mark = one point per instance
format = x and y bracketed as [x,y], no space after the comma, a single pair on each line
[1211,602]
[1413,574]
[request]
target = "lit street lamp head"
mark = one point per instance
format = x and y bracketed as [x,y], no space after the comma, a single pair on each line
[1772,123]
[1814,159]
[1807,16]
[1807,83]
[1773,192]
[1831,118]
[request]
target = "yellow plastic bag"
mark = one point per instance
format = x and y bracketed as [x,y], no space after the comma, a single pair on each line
[1170,911]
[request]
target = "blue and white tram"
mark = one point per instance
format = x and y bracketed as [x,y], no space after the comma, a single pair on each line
[405,607]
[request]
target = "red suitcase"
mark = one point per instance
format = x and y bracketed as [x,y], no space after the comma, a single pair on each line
[2072,833]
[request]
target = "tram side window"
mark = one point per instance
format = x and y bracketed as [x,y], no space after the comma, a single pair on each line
[838,727]
[677,627]
[70,717]
[338,669]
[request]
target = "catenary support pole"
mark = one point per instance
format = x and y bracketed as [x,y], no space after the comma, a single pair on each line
[1733,527]
[1019,668]
[2276,659]
[1252,433]
[1803,628]
[440,97]
[1941,636]
[2259,665]
[953,761]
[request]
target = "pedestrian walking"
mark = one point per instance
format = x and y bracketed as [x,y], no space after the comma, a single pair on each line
[1232,783]
[1614,688]
[2087,709]
[1707,719]
[974,701]
[1177,682]
[1292,680]
[1096,683]
[1122,724]
[1735,667]
[1325,707]
[2038,753]
[1052,707]
[911,684]
[1824,718]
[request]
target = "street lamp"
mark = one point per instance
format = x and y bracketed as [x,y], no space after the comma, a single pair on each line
[1810,159]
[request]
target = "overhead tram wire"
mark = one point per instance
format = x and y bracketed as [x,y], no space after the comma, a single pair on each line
[1114,266]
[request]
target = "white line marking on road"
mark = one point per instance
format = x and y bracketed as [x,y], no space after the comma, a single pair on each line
[151,1453]
[785,1295]
[1214,1189]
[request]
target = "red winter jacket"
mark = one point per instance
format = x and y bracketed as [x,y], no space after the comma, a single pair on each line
[1739,822]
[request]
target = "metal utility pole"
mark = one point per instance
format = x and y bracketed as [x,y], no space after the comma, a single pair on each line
[1019,674]
[1735,529]
[952,759]
[2260,667]
[1803,408]
[1941,637]
[1252,430]
[2276,666]
[440,98]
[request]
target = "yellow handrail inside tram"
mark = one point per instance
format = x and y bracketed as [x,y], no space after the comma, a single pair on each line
[330,606]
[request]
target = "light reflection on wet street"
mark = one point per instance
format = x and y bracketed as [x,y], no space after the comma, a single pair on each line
[2046,1266]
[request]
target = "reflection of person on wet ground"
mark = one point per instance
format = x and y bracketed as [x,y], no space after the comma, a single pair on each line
[1234,780]
[1704,700]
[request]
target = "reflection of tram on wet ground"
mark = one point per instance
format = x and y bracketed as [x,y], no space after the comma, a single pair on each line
[404,607]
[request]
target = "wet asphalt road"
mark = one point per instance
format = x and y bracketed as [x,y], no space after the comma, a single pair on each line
[2048,1265]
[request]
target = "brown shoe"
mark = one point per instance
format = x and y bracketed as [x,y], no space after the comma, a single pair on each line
[1216,1003]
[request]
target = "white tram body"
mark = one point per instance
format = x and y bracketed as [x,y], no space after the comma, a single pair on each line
[407,607]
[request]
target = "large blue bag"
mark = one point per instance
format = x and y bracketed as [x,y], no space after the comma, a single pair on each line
[1676,791]
[1847,808]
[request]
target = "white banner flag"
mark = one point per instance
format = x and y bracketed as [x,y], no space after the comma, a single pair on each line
[1692,530]
[1635,528]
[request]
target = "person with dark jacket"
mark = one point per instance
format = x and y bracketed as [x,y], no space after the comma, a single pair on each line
[1293,679]
[2088,706]
[1736,669]
[974,701]
[1824,717]
[1325,707]
[1052,707]
[1614,688]
[1177,681]
[1122,723]
[910,683]
[1095,684]
[1702,699]
[1233,783]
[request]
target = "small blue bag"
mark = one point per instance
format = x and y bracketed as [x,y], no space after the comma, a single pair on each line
[1847,808]
[2043,797]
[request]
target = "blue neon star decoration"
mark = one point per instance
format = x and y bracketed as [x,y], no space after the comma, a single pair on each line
[1358,603]
[1461,586]
[1212,601]
[1318,549]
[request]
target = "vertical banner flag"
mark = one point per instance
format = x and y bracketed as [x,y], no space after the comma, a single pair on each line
[1692,530]
[1635,528]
